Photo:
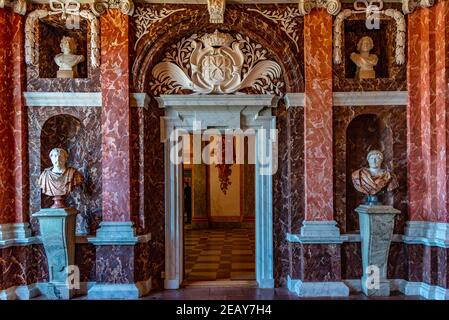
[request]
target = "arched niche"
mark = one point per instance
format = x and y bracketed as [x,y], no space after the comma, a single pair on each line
[67,132]
[151,47]
[364,133]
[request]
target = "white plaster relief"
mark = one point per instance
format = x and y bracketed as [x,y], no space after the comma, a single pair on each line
[98,7]
[18,6]
[286,19]
[145,18]
[216,10]
[224,65]
[332,6]
[408,6]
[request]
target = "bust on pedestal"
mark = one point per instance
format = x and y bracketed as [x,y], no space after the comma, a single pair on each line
[66,60]
[57,224]
[376,224]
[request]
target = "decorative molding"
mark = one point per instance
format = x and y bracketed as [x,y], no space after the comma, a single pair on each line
[103,291]
[408,6]
[427,233]
[286,19]
[63,99]
[317,289]
[18,6]
[314,232]
[392,13]
[24,292]
[16,234]
[139,100]
[145,18]
[224,65]
[115,233]
[225,112]
[355,237]
[99,7]
[32,20]
[247,100]
[407,288]
[371,98]
[332,6]
[294,100]
[16,231]
[216,10]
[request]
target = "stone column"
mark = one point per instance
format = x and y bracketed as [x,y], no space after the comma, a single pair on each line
[6,117]
[319,240]
[427,232]
[13,173]
[318,157]
[115,239]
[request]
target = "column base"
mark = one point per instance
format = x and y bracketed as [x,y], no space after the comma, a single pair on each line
[119,291]
[317,232]
[115,233]
[172,284]
[266,283]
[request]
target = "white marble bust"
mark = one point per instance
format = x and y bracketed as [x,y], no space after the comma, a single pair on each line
[59,180]
[66,60]
[365,61]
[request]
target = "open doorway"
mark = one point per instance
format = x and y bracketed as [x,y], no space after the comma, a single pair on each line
[219,223]
[193,113]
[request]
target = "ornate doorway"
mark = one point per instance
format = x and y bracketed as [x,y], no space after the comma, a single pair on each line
[235,112]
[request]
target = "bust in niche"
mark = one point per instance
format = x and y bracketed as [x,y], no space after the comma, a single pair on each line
[365,61]
[374,180]
[59,181]
[66,60]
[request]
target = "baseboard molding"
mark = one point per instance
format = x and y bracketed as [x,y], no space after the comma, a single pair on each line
[24,292]
[317,289]
[407,288]
[101,291]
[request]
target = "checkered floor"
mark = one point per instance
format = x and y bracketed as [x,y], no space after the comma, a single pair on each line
[219,254]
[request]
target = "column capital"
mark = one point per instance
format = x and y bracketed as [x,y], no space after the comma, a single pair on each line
[408,6]
[99,7]
[332,6]
[18,6]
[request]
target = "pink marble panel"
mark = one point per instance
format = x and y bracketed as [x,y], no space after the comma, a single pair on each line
[7,191]
[17,23]
[441,17]
[318,116]
[115,116]
[427,113]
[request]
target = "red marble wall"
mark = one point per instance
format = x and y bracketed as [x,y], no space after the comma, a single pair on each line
[318,116]
[427,121]
[116,154]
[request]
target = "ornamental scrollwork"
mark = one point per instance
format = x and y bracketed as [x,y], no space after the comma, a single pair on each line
[216,63]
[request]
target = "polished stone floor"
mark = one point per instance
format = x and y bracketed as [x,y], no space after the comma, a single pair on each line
[242,293]
[219,254]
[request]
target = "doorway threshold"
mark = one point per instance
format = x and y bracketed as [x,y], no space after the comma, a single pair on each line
[221,284]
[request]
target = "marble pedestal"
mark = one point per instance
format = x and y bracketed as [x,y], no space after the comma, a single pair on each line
[376,231]
[57,228]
